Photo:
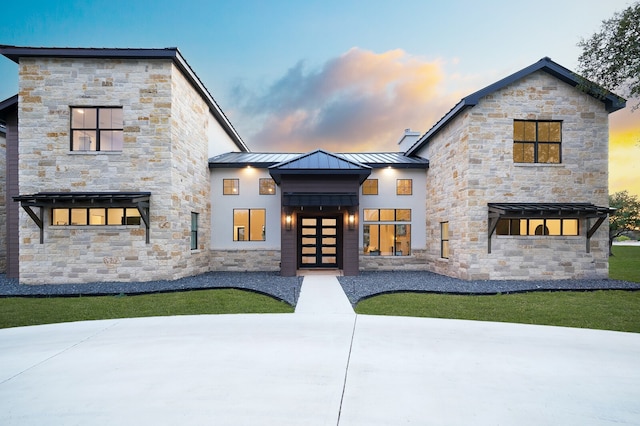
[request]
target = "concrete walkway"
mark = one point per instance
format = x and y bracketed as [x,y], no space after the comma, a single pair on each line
[316,368]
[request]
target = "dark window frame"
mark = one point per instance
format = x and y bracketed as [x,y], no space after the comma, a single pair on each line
[399,185]
[247,232]
[129,220]
[401,228]
[444,240]
[265,184]
[536,142]
[370,187]
[97,129]
[513,227]
[236,186]
[194,230]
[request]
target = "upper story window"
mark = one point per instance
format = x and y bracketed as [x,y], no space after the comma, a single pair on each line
[96,129]
[404,186]
[267,186]
[370,187]
[537,141]
[230,186]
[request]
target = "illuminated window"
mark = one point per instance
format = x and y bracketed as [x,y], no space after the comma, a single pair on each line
[387,232]
[230,186]
[97,129]
[551,227]
[444,240]
[95,216]
[249,224]
[267,186]
[404,186]
[370,187]
[537,141]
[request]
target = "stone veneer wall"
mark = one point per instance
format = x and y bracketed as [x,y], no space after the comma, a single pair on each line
[165,152]
[471,164]
[415,262]
[244,260]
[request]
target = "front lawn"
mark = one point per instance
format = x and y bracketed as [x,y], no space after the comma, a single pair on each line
[625,263]
[21,311]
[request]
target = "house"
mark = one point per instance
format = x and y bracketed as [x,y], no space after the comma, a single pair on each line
[129,170]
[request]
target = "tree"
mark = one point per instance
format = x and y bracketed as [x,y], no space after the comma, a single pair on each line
[611,57]
[627,215]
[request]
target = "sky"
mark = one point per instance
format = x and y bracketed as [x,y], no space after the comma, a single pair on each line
[341,75]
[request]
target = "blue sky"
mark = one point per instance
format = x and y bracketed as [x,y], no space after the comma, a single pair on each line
[297,75]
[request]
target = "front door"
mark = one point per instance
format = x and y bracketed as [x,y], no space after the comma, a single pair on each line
[318,241]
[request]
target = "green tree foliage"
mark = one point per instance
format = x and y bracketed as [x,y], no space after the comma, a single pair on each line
[627,215]
[611,57]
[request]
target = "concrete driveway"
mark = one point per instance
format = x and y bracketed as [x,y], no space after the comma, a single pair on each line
[316,367]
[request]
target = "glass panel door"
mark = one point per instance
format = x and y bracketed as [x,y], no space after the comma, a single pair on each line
[318,242]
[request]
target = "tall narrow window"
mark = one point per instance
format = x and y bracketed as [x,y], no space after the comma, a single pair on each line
[537,141]
[370,187]
[404,186]
[249,224]
[267,186]
[194,231]
[444,240]
[97,129]
[230,186]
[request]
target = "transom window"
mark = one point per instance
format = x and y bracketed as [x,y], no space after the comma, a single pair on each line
[370,187]
[404,186]
[267,186]
[249,224]
[537,141]
[97,129]
[95,216]
[387,232]
[230,186]
[565,227]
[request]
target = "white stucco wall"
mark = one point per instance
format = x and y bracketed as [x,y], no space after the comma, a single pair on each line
[218,140]
[248,198]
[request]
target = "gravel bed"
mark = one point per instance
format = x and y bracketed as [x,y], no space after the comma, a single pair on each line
[371,283]
[288,288]
[269,283]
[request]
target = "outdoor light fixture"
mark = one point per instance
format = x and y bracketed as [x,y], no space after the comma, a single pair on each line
[352,220]
[288,220]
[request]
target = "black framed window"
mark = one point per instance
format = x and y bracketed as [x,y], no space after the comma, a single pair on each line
[95,216]
[444,240]
[370,187]
[386,232]
[404,187]
[267,186]
[194,231]
[531,227]
[249,224]
[230,186]
[537,141]
[97,129]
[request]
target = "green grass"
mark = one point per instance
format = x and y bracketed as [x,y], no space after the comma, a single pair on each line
[21,311]
[625,263]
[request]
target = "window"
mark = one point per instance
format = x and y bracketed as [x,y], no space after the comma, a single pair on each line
[537,141]
[95,216]
[404,186]
[267,186]
[387,232]
[230,186]
[444,240]
[194,231]
[96,129]
[249,224]
[370,187]
[552,227]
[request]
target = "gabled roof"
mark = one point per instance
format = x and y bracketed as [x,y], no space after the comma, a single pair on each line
[611,101]
[7,105]
[319,162]
[268,159]
[15,53]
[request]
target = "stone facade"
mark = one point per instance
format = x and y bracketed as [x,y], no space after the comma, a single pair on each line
[245,260]
[415,262]
[471,165]
[165,152]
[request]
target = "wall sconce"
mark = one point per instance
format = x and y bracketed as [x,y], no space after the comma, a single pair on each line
[288,221]
[352,221]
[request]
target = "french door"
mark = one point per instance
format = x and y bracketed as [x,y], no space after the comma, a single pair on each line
[318,241]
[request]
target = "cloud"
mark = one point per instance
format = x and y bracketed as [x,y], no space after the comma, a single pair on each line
[359,101]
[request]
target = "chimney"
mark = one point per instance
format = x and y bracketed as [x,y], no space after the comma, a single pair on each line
[407,140]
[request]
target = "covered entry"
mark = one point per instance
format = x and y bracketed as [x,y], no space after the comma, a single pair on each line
[319,212]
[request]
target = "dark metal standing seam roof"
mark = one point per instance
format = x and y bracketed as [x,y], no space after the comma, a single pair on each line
[548,210]
[319,162]
[612,101]
[266,160]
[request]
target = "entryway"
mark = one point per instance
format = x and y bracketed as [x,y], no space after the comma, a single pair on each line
[319,242]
